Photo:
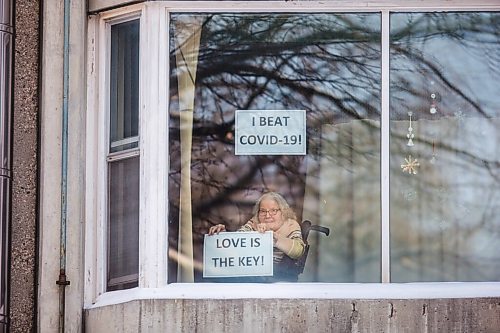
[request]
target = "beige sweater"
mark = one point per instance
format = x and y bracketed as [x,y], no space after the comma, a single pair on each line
[287,239]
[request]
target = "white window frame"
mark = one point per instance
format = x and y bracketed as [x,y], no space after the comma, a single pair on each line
[99,33]
[153,104]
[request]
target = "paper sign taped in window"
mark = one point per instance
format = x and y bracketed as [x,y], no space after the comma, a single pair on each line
[232,254]
[270,132]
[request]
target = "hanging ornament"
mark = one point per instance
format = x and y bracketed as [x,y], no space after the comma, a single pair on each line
[410,134]
[409,194]
[411,165]
[433,108]
[460,117]
[433,157]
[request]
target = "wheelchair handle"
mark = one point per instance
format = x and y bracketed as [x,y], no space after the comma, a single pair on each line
[321,229]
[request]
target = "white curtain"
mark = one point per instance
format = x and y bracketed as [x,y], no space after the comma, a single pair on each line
[187,37]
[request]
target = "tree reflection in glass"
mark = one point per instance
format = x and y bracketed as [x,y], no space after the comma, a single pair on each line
[326,64]
[445,220]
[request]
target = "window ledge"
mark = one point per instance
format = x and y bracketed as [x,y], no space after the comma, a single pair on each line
[432,290]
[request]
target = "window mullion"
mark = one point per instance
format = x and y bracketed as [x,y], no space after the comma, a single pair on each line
[153,151]
[385,153]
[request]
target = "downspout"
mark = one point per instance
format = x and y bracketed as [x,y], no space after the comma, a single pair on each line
[6,122]
[62,281]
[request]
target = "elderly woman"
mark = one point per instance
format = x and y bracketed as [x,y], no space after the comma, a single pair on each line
[272,213]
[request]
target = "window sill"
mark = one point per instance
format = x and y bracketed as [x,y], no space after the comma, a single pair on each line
[431,290]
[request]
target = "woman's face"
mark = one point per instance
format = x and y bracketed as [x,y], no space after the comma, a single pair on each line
[269,211]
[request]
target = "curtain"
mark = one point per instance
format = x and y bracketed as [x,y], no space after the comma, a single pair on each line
[187,38]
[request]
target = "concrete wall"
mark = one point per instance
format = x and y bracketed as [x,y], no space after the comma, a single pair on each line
[22,286]
[250,315]
[50,150]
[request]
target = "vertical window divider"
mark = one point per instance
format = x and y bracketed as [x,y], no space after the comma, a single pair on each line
[162,149]
[91,160]
[153,120]
[164,103]
[385,152]
[104,41]
[145,133]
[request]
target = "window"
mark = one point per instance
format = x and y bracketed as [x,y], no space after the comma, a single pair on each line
[402,158]
[445,147]
[123,158]
[325,64]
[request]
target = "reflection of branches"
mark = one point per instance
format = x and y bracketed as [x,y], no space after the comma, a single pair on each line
[440,75]
[305,90]
[331,68]
[262,88]
[473,34]
[231,50]
[225,192]
[492,167]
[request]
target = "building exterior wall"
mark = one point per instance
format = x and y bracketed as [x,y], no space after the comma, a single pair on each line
[157,315]
[289,315]
[24,192]
[50,147]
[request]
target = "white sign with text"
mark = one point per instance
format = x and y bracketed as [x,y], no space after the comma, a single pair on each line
[270,132]
[231,254]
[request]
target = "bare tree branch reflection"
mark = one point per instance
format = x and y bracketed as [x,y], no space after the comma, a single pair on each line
[329,65]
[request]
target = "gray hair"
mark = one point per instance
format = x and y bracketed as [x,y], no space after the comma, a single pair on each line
[286,211]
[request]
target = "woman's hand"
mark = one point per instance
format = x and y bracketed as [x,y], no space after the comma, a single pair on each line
[262,227]
[216,229]
[275,238]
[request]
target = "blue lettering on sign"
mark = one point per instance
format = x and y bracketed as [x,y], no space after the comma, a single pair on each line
[272,121]
[270,139]
[260,139]
[226,242]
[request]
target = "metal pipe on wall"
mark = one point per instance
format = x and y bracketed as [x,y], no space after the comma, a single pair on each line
[62,281]
[6,121]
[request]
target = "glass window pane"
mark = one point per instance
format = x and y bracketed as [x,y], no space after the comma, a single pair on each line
[124,86]
[445,147]
[123,227]
[325,64]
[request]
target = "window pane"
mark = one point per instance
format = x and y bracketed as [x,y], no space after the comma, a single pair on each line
[325,64]
[123,232]
[124,89]
[445,147]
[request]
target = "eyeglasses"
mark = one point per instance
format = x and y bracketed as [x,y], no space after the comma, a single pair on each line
[271,212]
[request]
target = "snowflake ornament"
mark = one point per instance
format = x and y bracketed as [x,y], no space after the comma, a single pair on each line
[411,165]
